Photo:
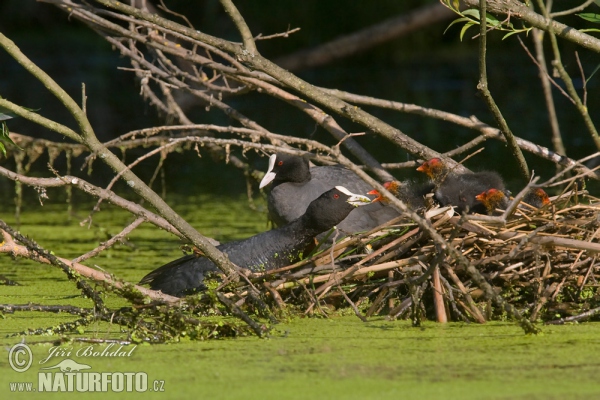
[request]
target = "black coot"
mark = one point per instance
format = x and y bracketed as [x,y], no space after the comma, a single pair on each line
[268,250]
[295,185]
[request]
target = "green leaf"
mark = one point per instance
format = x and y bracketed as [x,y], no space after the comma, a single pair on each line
[472,12]
[510,34]
[456,21]
[589,30]
[464,29]
[5,138]
[595,18]
[492,20]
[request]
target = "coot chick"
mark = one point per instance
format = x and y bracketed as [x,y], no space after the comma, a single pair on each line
[537,198]
[411,194]
[268,250]
[493,199]
[295,185]
[460,190]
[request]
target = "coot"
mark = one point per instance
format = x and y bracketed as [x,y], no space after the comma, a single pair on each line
[268,250]
[493,199]
[295,185]
[537,198]
[460,190]
[411,193]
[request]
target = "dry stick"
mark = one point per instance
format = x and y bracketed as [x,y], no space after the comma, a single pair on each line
[260,63]
[14,249]
[538,40]
[327,122]
[471,306]
[542,296]
[540,62]
[438,297]
[11,308]
[575,318]
[258,329]
[482,86]
[95,191]
[173,108]
[572,10]
[378,300]
[445,248]
[366,38]
[579,105]
[276,296]
[485,130]
[240,24]
[451,299]
[350,302]
[109,243]
[87,137]
[583,80]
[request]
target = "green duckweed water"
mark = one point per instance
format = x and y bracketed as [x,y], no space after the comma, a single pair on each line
[340,357]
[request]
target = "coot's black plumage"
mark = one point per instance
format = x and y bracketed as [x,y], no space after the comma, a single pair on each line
[460,190]
[295,185]
[268,250]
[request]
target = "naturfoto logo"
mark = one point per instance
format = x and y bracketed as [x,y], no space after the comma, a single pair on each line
[69,375]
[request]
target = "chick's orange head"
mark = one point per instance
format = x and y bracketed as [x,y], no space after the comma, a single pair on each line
[392,186]
[432,167]
[539,192]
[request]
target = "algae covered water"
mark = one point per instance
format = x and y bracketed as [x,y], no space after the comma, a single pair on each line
[340,357]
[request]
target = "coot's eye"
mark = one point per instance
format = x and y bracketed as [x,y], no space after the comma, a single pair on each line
[280,163]
[336,196]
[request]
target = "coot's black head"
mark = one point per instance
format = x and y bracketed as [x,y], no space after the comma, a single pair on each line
[331,208]
[286,168]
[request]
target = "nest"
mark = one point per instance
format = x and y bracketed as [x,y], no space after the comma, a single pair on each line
[541,261]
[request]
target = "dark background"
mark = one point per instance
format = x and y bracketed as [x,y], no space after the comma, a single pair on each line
[428,68]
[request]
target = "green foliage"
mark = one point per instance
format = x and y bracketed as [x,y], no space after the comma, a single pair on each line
[591,17]
[595,18]
[4,132]
[472,17]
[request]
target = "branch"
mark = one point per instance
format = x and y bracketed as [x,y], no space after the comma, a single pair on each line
[260,63]
[520,10]
[366,38]
[471,123]
[482,86]
[239,22]
[88,137]
[10,247]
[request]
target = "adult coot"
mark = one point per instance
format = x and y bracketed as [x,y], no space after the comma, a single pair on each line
[295,185]
[268,250]
[460,190]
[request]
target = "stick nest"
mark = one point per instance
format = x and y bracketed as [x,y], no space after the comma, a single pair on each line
[542,262]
